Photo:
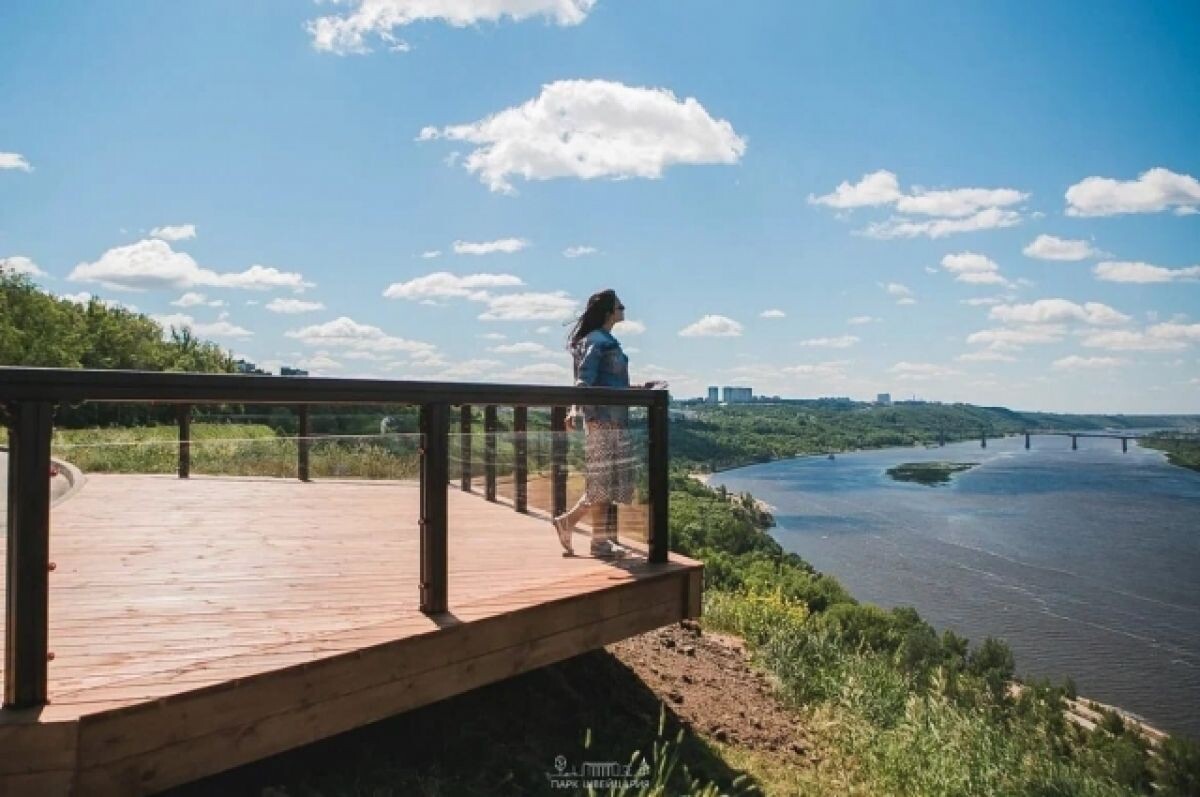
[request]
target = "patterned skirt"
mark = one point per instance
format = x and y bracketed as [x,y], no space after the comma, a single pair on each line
[610,464]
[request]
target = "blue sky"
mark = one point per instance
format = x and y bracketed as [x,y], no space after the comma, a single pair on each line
[882,175]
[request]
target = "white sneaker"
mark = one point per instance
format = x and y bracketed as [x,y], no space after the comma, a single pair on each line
[606,549]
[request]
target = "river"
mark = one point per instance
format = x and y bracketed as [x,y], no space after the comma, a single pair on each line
[1087,562]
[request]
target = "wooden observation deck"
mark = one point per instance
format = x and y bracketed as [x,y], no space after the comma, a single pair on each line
[187,626]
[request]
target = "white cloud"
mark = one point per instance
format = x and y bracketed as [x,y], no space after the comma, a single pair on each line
[986,356]
[959,202]
[152,264]
[192,299]
[840,342]
[174,232]
[712,326]
[898,227]
[876,188]
[321,361]
[524,347]
[221,328]
[556,306]
[1170,336]
[493,336]
[973,268]
[431,254]
[982,301]
[444,285]
[1057,311]
[772,314]
[592,129]
[293,306]
[907,300]
[347,33]
[542,372]
[1153,191]
[13,160]
[859,320]
[1015,338]
[18,264]
[579,251]
[829,370]
[1047,247]
[345,333]
[504,245]
[466,369]
[1126,271]
[1075,362]
[630,327]
[896,289]
[84,298]
[921,371]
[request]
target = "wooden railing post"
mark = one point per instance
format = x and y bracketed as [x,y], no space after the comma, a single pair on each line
[489,451]
[521,457]
[303,443]
[464,446]
[27,594]
[435,474]
[184,414]
[657,421]
[558,459]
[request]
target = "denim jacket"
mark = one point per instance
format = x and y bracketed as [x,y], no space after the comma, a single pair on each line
[599,362]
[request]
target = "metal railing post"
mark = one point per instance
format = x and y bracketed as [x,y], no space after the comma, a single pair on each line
[489,451]
[184,415]
[435,475]
[303,443]
[558,459]
[521,455]
[27,595]
[657,421]
[464,446]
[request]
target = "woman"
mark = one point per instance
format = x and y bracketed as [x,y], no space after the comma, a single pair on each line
[610,465]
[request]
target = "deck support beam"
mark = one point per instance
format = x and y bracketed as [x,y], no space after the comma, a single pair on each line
[303,443]
[521,455]
[558,459]
[435,474]
[27,596]
[489,451]
[183,414]
[464,446]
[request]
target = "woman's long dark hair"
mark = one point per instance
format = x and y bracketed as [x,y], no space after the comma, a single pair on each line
[599,305]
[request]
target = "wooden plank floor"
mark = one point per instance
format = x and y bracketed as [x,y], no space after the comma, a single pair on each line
[164,587]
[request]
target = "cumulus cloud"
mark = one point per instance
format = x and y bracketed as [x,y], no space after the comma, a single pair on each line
[579,251]
[174,232]
[1170,336]
[1153,191]
[13,160]
[347,33]
[772,314]
[293,306]
[152,264]
[192,299]
[712,326]
[1016,338]
[982,301]
[504,245]
[986,356]
[898,227]
[1047,247]
[592,129]
[859,320]
[955,210]
[320,361]
[221,328]
[1057,311]
[973,268]
[630,327]
[551,373]
[915,372]
[444,285]
[1076,363]
[896,289]
[840,342]
[18,264]
[431,254]
[556,306]
[345,333]
[524,347]
[1127,271]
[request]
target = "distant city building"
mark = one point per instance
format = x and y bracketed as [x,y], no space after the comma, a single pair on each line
[737,395]
[884,398]
[289,371]
[712,395]
[247,367]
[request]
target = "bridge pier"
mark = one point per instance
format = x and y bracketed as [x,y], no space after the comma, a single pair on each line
[1074,442]
[983,440]
[1124,445]
[1027,441]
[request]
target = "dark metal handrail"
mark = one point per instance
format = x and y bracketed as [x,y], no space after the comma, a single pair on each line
[30,396]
